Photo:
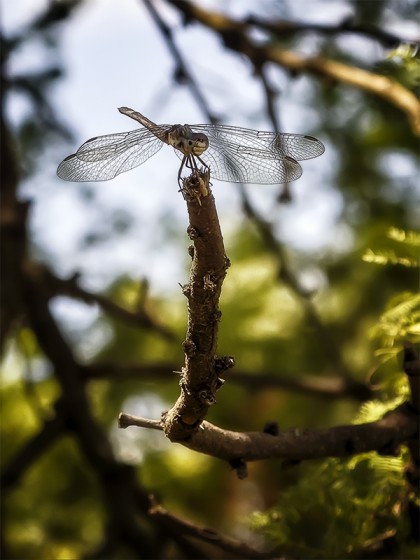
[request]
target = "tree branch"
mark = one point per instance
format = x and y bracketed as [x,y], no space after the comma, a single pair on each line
[326,387]
[223,542]
[182,72]
[123,495]
[200,374]
[282,28]
[396,427]
[286,274]
[141,318]
[34,448]
[235,36]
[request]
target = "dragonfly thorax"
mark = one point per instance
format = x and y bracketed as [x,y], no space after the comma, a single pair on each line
[188,142]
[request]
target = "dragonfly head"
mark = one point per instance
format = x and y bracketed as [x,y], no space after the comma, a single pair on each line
[182,138]
[200,143]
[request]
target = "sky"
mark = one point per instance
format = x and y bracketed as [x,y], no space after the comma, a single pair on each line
[114,56]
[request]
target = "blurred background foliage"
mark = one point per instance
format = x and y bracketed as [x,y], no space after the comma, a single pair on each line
[363,292]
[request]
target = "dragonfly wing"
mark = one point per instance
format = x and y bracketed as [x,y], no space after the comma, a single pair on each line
[239,162]
[104,157]
[296,146]
[238,167]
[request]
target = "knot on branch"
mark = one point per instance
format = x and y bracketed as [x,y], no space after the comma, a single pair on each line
[190,349]
[206,396]
[240,466]
[223,363]
[186,290]
[272,428]
[209,284]
[193,233]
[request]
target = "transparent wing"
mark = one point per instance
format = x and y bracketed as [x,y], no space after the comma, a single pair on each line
[249,156]
[296,146]
[237,167]
[104,157]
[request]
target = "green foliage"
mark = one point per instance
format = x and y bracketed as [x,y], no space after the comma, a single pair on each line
[336,507]
[400,322]
[63,532]
[409,240]
[339,508]
[405,59]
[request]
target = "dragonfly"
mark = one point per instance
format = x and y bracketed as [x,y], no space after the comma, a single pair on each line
[230,153]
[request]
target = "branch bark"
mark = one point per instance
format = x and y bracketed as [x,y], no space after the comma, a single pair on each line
[200,374]
[228,544]
[396,427]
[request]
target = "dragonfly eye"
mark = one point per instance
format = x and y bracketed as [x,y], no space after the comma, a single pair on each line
[200,145]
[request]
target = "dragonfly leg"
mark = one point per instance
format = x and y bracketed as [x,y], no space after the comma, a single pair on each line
[206,167]
[191,163]
[183,162]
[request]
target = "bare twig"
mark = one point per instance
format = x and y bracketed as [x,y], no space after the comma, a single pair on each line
[326,387]
[182,72]
[286,274]
[223,542]
[235,37]
[140,318]
[285,28]
[396,427]
[125,420]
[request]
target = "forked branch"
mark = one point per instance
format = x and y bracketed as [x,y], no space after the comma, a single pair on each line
[200,374]
[384,436]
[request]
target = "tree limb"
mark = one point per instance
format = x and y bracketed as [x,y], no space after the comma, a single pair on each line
[396,427]
[235,36]
[200,374]
[223,542]
[141,318]
[284,28]
[333,387]
[182,72]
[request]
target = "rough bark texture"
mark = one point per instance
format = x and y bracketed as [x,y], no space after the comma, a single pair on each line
[200,374]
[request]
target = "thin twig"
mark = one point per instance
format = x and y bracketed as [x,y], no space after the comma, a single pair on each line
[235,36]
[215,538]
[125,420]
[286,275]
[140,318]
[325,387]
[182,72]
[285,28]
[395,428]
[285,194]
